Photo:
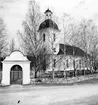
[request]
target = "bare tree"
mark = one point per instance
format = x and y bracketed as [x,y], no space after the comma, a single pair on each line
[69,30]
[85,39]
[73,40]
[3,38]
[31,43]
[12,46]
[66,29]
[3,42]
[93,47]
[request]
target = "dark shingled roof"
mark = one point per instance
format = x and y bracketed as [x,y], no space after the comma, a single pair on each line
[48,24]
[70,49]
[48,10]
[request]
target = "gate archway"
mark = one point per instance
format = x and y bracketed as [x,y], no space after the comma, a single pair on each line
[16,69]
[16,74]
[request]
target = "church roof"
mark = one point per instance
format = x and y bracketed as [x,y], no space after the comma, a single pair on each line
[48,24]
[69,50]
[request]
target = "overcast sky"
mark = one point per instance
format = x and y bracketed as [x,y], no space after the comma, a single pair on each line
[13,11]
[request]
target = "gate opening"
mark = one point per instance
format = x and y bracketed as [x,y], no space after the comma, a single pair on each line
[16,75]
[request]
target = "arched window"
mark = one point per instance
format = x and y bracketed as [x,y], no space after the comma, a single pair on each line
[44,37]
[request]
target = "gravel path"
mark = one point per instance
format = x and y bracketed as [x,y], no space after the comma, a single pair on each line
[44,95]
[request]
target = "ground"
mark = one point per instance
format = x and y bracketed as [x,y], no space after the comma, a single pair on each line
[85,93]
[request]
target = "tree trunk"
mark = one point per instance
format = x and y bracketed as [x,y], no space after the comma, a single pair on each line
[53,70]
[35,68]
[35,75]
[74,67]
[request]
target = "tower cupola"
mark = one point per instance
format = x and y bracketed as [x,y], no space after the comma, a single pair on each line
[48,23]
[48,13]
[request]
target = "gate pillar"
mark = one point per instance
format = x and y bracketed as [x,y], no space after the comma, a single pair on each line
[6,74]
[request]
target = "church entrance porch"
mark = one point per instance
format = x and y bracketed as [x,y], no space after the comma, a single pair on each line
[16,75]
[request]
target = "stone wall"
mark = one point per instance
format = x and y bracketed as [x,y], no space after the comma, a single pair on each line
[68,80]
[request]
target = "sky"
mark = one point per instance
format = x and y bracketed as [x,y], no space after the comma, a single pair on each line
[13,11]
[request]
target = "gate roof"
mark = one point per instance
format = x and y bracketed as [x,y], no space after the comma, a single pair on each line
[16,56]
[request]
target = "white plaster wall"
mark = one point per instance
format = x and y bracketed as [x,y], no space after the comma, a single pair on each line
[49,38]
[26,73]
[6,74]
[7,68]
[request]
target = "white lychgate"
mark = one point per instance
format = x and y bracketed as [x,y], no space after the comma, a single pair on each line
[18,59]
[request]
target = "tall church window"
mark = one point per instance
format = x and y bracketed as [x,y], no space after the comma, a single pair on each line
[54,62]
[67,63]
[44,37]
[80,64]
[54,37]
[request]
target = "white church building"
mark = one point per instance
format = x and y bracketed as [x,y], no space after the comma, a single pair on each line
[16,66]
[49,33]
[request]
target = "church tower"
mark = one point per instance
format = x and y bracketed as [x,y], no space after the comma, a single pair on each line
[48,30]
